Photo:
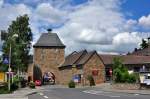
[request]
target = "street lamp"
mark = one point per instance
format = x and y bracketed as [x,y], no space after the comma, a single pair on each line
[9,68]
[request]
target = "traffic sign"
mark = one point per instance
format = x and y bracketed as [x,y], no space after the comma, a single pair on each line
[6,61]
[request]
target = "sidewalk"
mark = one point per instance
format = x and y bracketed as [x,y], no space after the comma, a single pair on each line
[108,87]
[20,94]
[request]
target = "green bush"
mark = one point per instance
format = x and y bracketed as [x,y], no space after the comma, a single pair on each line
[32,84]
[23,82]
[71,84]
[91,80]
[121,74]
[16,79]
[14,86]
[4,88]
[131,78]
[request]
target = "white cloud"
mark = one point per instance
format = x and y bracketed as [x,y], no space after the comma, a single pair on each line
[131,25]
[125,42]
[1,2]
[99,25]
[46,12]
[145,21]
[9,13]
[96,25]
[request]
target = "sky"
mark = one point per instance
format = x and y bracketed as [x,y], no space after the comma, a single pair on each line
[107,26]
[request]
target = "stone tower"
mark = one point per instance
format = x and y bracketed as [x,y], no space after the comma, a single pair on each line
[49,54]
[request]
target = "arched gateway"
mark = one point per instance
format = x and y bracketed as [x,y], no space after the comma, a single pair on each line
[49,55]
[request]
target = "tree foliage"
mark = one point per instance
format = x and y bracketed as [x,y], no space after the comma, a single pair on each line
[120,72]
[20,45]
[144,44]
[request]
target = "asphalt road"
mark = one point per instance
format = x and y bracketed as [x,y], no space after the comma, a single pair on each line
[65,93]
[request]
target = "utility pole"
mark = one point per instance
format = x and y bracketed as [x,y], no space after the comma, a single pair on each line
[9,68]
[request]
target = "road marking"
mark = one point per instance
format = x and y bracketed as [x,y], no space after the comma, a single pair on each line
[136,94]
[115,96]
[94,92]
[45,97]
[41,94]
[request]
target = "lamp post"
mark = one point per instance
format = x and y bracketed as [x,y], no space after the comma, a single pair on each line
[9,68]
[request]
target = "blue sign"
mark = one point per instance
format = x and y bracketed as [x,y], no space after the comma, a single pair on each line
[6,61]
[76,78]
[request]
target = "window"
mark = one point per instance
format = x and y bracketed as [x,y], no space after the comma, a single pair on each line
[136,69]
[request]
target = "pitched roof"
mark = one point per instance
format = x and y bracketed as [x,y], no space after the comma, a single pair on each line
[135,59]
[78,58]
[85,58]
[73,57]
[127,59]
[145,51]
[49,40]
[107,59]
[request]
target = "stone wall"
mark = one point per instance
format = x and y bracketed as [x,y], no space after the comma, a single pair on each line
[66,75]
[49,59]
[126,86]
[95,63]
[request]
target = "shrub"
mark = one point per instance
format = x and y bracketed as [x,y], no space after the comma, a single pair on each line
[71,84]
[91,80]
[124,76]
[121,74]
[16,79]
[32,84]
[4,88]
[23,82]
[14,86]
[131,78]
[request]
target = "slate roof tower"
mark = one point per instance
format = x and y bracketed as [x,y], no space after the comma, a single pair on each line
[49,54]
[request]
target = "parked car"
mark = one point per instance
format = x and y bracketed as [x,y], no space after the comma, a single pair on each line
[147,79]
[38,83]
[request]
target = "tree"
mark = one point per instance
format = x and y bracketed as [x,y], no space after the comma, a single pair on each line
[20,45]
[120,72]
[144,44]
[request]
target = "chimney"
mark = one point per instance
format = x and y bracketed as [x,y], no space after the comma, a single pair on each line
[49,30]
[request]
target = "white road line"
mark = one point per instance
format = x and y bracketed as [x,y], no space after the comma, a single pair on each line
[99,93]
[92,91]
[41,94]
[45,97]
[115,96]
[136,94]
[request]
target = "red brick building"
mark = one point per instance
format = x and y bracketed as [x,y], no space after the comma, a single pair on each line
[48,56]
[82,64]
[134,63]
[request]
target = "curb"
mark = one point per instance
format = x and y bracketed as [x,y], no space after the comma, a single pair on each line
[31,93]
[126,92]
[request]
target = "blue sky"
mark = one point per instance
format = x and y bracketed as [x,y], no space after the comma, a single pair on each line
[137,8]
[108,26]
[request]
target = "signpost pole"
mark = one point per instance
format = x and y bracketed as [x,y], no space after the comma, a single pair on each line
[111,76]
[9,68]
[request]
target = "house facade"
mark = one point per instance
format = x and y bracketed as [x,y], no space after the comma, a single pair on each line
[49,56]
[79,65]
[134,63]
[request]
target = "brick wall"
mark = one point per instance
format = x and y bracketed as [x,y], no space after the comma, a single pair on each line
[48,59]
[94,63]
